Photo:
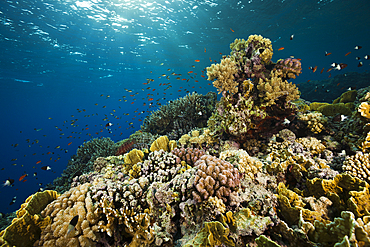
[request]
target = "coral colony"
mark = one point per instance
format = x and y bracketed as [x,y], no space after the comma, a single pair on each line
[260,167]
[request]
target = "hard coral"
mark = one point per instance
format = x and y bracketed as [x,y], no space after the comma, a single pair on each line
[224,75]
[358,166]
[27,226]
[189,155]
[180,116]
[215,177]
[290,68]
[276,87]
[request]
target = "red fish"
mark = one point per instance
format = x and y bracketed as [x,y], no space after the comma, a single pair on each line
[150,99]
[281,48]
[347,53]
[69,143]
[327,53]
[322,70]
[197,60]
[38,162]
[231,30]
[22,177]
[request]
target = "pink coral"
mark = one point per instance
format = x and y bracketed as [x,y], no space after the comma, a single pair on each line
[189,155]
[291,67]
[215,177]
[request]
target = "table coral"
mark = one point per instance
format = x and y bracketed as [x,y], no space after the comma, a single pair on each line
[215,177]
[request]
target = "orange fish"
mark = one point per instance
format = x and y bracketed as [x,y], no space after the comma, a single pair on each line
[22,177]
[327,53]
[150,99]
[197,60]
[205,50]
[231,30]
[329,76]
[69,143]
[347,53]
[314,69]
[329,69]
[322,70]
[281,48]
[190,72]
[38,162]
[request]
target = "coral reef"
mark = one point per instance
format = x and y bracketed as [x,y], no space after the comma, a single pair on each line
[224,73]
[358,166]
[261,97]
[27,226]
[315,121]
[180,116]
[84,161]
[215,177]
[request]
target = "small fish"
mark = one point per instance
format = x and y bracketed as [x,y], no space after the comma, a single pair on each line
[322,70]
[359,64]
[22,177]
[13,200]
[366,57]
[108,124]
[281,48]
[347,53]
[358,58]
[72,224]
[197,60]
[358,47]
[38,162]
[205,50]
[327,53]
[286,121]
[35,174]
[200,113]
[69,143]
[8,182]
[291,36]
[46,168]
[343,117]
[231,30]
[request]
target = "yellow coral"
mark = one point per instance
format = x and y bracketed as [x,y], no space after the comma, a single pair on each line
[315,121]
[246,164]
[163,143]
[224,75]
[274,88]
[133,157]
[364,109]
[312,144]
[358,165]
[76,201]
[263,43]
[27,227]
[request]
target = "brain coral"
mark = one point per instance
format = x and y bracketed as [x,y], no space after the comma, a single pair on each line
[215,177]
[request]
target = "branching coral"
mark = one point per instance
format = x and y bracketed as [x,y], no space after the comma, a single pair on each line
[215,177]
[289,68]
[189,155]
[276,87]
[224,75]
[358,165]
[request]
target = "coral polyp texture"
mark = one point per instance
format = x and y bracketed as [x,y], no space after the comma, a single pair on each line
[256,96]
[259,167]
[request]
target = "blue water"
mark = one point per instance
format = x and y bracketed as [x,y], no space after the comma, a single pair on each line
[60,56]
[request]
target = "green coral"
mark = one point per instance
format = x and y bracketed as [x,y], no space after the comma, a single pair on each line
[349,96]
[333,109]
[213,234]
